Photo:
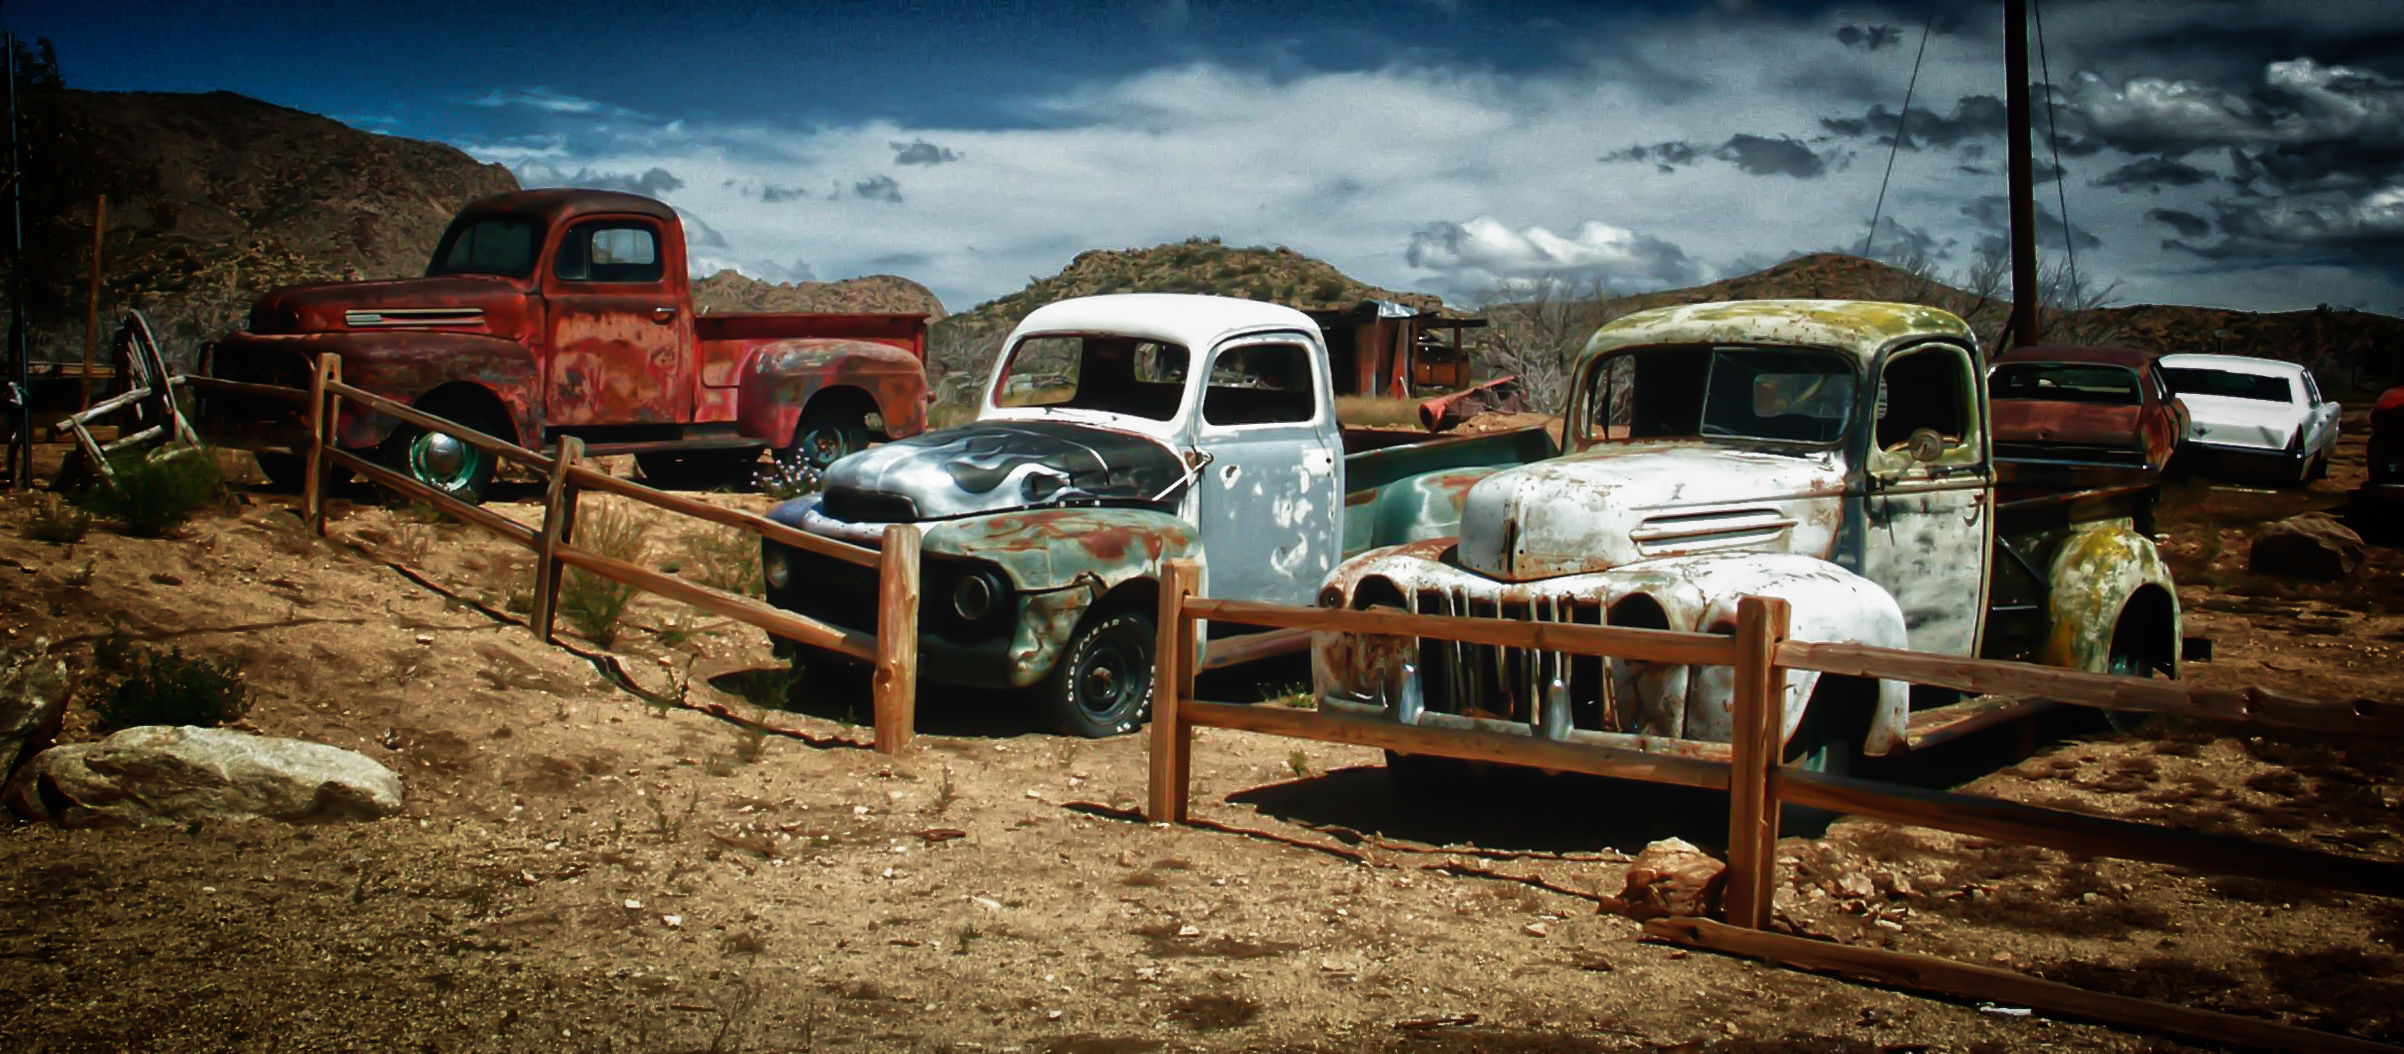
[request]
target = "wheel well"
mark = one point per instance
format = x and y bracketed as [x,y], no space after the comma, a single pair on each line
[845,400]
[2147,629]
[1639,611]
[1134,594]
[450,400]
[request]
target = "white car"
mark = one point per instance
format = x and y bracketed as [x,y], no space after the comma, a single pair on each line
[2253,416]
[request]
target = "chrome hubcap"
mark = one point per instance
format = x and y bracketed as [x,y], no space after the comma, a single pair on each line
[441,457]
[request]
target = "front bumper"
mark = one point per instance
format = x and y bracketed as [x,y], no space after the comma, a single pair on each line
[2226,459]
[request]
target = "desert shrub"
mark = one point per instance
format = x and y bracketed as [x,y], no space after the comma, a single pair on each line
[32,678]
[168,688]
[725,560]
[55,521]
[154,495]
[1328,290]
[591,603]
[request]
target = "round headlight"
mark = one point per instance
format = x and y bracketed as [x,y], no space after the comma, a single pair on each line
[776,567]
[974,597]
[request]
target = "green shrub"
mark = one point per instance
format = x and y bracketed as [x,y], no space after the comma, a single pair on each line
[726,560]
[154,495]
[166,688]
[55,521]
[591,603]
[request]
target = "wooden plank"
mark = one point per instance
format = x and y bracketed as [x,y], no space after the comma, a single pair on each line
[559,508]
[313,484]
[1171,753]
[1756,748]
[100,409]
[897,640]
[474,515]
[136,439]
[593,479]
[91,449]
[1992,677]
[1253,647]
[1925,973]
[741,609]
[1944,724]
[1649,645]
[1467,745]
[490,444]
[2081,833]
[259,391]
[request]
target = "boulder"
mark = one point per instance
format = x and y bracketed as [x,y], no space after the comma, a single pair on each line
[1672,878]
[33,700]
[161,774]
[2312,545]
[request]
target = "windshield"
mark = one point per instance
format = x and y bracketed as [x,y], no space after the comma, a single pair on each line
[1120,375]
[501,245]
[1788,395]
[2066,382]
[2192,380]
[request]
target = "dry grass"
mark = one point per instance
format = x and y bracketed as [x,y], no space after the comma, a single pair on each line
[1377,411]
[592,604]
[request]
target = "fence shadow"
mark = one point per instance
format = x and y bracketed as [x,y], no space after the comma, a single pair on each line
[844,693]
[1494,808]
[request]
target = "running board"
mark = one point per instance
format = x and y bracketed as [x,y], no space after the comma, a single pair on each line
[648,446]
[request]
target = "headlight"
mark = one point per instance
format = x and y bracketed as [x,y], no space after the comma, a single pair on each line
[776,567]
[975,596]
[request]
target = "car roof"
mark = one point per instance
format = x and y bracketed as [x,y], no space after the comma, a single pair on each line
[1189,320]
[2133,358]
[1860,327]
[2233,364]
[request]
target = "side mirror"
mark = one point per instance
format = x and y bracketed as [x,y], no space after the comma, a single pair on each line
[1925,446]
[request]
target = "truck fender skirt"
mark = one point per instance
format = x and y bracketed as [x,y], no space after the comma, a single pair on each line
[2096,573]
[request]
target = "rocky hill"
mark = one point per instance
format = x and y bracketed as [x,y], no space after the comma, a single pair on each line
[734,291]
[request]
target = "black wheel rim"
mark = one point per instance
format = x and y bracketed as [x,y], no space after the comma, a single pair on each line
[821,445]
[1112,675]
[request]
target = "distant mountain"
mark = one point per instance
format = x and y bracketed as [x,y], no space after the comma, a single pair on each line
[729,291]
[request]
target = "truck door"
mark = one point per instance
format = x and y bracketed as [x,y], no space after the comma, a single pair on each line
[1269,502]
[1930,496]
[618,332]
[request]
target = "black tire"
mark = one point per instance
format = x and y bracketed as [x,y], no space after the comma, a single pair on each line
[1103,684]
[2319,469]
[443,463]
[698,469]
[1835,722]
[823,436]
[284,472]
[2125,662]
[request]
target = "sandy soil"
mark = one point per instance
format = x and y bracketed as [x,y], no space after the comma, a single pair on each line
[584,869]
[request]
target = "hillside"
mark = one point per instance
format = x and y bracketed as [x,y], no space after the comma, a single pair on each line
[733,291]
[1196,265]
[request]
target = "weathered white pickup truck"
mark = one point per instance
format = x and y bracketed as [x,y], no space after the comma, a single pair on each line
[1832,453]
[1096,455]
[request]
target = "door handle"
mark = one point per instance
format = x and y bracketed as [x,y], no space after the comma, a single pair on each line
[663,314]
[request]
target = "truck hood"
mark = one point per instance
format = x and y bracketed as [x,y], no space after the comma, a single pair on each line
[452,303]
[2224,421]
[1625,502]
[1000,466]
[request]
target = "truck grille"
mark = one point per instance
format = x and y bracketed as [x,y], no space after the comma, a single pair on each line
[863,506]
[1506,683]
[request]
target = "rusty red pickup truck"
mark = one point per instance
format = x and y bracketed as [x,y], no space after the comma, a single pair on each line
[551,313]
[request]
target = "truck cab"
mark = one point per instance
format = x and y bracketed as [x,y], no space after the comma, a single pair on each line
[1117,433]
[548,313]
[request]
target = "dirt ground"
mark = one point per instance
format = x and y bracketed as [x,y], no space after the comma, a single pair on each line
[584,868]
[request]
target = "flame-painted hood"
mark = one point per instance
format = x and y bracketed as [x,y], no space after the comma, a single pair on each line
[1000,466]
[1616,504]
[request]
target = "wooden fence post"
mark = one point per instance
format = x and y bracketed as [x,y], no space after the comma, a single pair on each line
[324,410]
[897,640]
[559,524]
[1753,767]
[1172,747]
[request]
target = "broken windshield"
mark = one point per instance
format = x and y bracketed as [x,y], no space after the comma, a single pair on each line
[1784,395]
[1120,375]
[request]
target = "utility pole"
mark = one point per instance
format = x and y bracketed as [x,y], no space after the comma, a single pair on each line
[91,316]
[2025,295]
[21,452]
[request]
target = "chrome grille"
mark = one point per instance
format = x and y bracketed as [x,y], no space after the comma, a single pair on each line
[1554,691]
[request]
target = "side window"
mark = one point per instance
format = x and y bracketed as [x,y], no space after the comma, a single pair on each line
[1253,384]
[1928,389]
[608,251]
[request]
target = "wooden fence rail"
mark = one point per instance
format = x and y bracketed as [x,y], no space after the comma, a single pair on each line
[892,649]
[1758,782]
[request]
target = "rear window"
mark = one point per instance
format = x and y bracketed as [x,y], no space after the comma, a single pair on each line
[2066,382]
[501,245]
[2191,380]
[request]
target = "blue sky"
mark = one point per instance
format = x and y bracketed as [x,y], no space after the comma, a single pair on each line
[2227,152]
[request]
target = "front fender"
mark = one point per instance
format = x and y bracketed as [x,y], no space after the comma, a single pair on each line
[2097,571]
[1062,562]
[401,365]
[779,378]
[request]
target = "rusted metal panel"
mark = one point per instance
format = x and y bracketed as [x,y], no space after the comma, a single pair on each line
[399,365]
[782,377]
[2041,410]
[1445,412]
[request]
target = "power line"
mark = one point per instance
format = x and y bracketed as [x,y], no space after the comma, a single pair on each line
[2053,135]
[1900,119]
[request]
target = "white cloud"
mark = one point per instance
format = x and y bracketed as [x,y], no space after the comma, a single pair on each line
[1484,252]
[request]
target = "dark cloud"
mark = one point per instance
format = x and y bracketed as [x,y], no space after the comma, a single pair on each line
[1869,38]
[1973,117]
[921,152]
[1665,156]
[772,193]
[1783,156]
[1993,212]
[2335,230]
[878,188]
[1899,242]
[651,183]
[2188,224]
[2154,173]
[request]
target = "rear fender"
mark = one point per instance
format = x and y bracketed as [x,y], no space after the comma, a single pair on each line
[2095,574]
[779,378]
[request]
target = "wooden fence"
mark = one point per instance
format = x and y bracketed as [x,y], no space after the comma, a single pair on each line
[892,649]
[1757,783]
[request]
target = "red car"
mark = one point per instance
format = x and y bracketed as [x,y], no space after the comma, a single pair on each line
[2093,405]
[2385,488]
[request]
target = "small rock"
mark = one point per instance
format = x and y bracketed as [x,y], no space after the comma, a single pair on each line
[672,921]
[634,905]
[1853,885]
[1672,878]
[2313,545]
[1533,929]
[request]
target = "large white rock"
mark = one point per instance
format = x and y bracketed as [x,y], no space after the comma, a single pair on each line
[160,774]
